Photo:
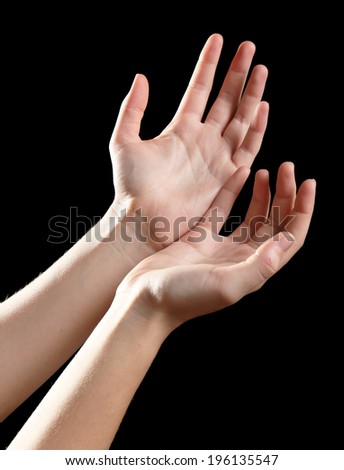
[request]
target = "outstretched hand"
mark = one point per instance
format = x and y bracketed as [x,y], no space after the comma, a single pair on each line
[180,172]
[203,272]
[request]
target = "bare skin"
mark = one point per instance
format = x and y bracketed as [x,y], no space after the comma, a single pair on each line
[198,162]
[84,408]
[45,323]
[197,156]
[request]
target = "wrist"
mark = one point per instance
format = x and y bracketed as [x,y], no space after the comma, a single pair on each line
[147,229]
[139,293]
[117,230]
[130,307]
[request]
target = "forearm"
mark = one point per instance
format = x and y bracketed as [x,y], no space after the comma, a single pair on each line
[45,323]
[85,407]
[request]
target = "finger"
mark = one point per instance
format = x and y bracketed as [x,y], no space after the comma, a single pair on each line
[224,201]
[258,209]
[241,122]
[301,216]
[283,202]
[296,223]
[243,278]
[131,113]
[197,93]
[252,142]
[260,202]
[227,102]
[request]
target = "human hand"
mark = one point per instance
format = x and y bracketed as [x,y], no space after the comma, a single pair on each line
[192,277]
[179,173]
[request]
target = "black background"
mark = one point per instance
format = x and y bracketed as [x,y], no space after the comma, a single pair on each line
[262,374]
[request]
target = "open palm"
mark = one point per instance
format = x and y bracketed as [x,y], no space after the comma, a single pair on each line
[203,272]
[180,172]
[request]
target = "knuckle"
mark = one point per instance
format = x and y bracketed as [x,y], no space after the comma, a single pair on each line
[242,119]
[268,268]
[198,86]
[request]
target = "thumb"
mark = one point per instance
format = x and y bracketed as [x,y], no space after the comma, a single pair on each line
[131,113]
[250,275]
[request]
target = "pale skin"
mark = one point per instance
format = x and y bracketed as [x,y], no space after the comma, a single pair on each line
[193,157]
[197,163]
[71,297]
[85,407]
